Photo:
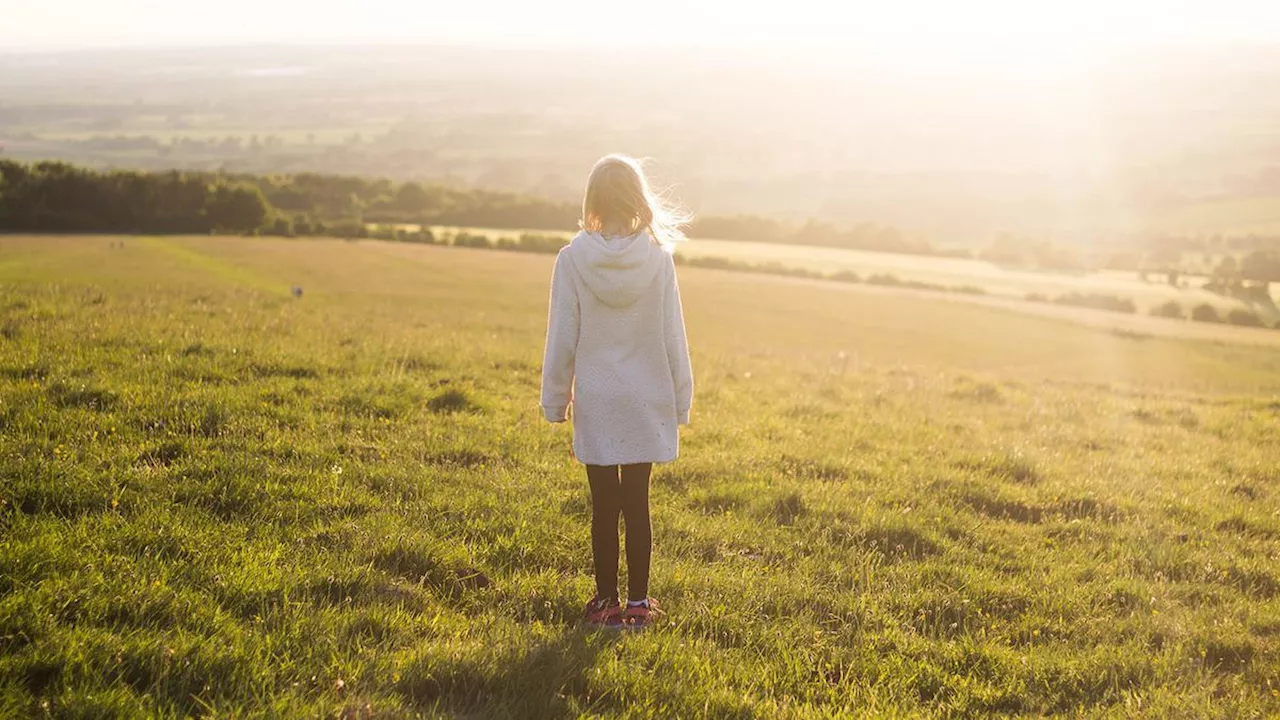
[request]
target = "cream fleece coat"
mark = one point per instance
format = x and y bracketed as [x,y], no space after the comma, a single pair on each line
[616,350]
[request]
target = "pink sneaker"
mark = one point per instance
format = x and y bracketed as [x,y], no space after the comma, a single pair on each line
[639,617]
[603,613]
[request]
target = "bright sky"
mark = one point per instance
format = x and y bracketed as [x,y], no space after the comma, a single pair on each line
[1043,29]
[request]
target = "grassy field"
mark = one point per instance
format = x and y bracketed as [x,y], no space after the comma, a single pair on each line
[950,272]
[996,280]
[221,500]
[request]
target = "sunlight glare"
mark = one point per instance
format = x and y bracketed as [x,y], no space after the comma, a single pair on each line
[993,34]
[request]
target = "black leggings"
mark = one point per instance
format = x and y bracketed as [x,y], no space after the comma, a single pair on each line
[620,490]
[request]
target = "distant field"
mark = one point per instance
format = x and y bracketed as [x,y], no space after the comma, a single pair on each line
[163,132]
[1227,216]
[995,280]
[223,501]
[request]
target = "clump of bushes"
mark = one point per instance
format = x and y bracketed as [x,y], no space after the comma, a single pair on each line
[713,263]
[769,268]
[845,276]
[304,225]
[1169,309]
[423,236]
[1204,312]
[348,230]
[541,243]
[884,280]
[777,268]
[1245,318]
[401,234]
[383,232]
[281,226]
[472,240]
[1097,301]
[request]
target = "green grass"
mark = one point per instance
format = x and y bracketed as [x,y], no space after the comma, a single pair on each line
[219,500]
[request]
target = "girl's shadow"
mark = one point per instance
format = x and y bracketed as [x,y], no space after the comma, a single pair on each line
[549,679]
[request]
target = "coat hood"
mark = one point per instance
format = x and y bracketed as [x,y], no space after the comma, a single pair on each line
[618,271]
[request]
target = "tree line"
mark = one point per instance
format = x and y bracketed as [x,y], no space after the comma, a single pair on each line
[57,197]
[60,197]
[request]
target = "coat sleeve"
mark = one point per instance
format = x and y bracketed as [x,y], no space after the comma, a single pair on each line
[678,347]
[562,343]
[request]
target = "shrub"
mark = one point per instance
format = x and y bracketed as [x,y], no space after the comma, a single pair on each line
[846,276]
[1246,318]
[1170,309]
[472,240]
[885,280]
[282,226]
[423,236]
[348,229]
[1037,297]
[1204,312]
[1256,292]
[920,285]
[714,263]
[1097,301]
[776,268]
[541,243]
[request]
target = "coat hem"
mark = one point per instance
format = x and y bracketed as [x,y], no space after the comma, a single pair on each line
[629,461]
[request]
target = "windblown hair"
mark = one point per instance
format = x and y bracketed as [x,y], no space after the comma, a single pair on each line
[618,197]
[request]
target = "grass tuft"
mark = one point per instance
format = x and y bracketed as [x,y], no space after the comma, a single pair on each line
[64,395]
[1013,467]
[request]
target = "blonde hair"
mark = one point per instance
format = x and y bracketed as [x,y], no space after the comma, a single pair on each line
[619,197]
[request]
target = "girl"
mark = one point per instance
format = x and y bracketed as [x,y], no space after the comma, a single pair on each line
[616,351]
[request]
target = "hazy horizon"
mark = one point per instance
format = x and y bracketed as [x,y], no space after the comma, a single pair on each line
[1043,34]
[956,122]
